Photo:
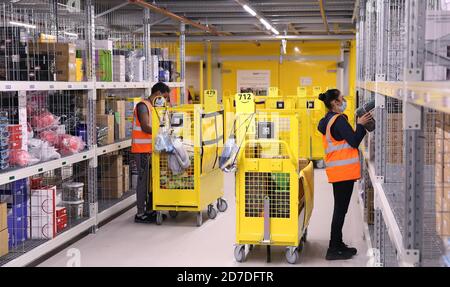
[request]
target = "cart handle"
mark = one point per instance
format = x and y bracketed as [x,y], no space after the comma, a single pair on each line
[290,154]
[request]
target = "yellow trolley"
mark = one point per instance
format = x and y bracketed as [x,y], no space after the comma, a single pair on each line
[274,187]
[201,185]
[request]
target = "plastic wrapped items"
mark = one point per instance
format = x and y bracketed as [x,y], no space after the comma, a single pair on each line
[44,151]
[69,145]
[21,158]
[44,121]
[51,137]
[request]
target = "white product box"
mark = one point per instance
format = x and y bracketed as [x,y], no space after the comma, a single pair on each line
[138,68]
[119,68]
[155,69]
[438,24]
[42,212]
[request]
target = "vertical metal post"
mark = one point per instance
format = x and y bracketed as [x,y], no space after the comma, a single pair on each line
[147,46]
[182,60]
[91,123]
[53,17]
[414,135]
[380,136]
[379,230]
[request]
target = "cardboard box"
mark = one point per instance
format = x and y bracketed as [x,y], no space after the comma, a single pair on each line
[4,236]
[442,158]
[60,50]
[111,188]
[126,178]
[100,107]
[443,223]
[111,166]
[443,132]
[442,198]
[119,109]
[443,145]
[119,68]
[107,121]
[3,217]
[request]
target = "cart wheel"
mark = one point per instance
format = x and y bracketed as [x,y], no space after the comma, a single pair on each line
[199,218]
[159,218]
[320,164]
[222,205]
[212,213]
[291,255]
[173,213]
[239,253]
[250,247]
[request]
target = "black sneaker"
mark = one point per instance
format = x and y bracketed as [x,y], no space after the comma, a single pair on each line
[343,247]
[145,218]
[337,254]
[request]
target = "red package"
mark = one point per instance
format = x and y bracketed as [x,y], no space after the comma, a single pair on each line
[70,144]
[60,211]
[51,137]
[61,223]
[19,157]
[44,120]
[36,182]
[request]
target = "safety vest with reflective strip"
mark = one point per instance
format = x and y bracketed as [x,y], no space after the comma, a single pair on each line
[141,142]
[341,160]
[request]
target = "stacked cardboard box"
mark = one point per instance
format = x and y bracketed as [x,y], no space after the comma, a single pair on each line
[4,249]
[43,212]
[106,121]
[394,138]
[442,175]
[64,57]
[61,218]
[118,108]
[111,176]
[119,68]
[126,178]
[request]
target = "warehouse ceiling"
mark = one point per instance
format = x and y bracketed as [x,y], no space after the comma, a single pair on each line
[289,17]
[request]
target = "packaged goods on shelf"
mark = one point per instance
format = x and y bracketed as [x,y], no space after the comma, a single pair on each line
[4,236]
[110,166]
[17,229]
[45,120]
[442,193]
[119,120]
[100,106]
[15,136]
[134,66]
[130,105]
[79,75]
[69,144]
[126,178]
[103,61]
[443,224]
[107,121]
[119,68]
[111,176]
[73,191]
[128,127]
[43,212]
[21,158]
[61,218]
[75,209]
[13,54]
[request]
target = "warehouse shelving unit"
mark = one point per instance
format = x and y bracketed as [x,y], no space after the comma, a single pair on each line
[99,211]
[394,57]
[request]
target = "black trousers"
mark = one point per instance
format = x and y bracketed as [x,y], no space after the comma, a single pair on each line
[144,185]
[342,194]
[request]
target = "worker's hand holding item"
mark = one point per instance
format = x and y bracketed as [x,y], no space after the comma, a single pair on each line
[364,119]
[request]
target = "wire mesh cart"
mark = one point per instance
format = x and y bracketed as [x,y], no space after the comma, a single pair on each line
[201,184]
[274,187]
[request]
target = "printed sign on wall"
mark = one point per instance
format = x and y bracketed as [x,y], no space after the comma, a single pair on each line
[253,81]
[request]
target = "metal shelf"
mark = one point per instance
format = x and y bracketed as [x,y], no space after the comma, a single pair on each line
[39,251]
[405,257]
[14,86]
[366,230]
[101,150]
[7,86]
[435,95]
[28,171]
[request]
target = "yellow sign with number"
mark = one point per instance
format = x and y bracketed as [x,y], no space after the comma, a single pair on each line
[210,100]
[273,91]
[245,103]
[316,91]
[301,92]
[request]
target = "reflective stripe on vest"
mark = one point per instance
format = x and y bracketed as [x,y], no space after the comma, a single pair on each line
[142,141]
[342,162]
[332,148]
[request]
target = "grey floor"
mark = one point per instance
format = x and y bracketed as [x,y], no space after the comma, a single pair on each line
[178,242]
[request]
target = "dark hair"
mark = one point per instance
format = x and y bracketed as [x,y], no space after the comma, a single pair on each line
[329,96]
[160,87]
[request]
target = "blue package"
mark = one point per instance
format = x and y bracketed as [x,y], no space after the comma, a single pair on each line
[17,229]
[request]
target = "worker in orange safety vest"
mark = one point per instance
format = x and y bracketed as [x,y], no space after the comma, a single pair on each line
[141,146]
[342,162]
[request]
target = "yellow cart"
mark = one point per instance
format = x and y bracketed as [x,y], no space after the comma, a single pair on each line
[274,187]
[201,185]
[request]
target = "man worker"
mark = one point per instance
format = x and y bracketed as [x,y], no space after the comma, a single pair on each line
[141,146]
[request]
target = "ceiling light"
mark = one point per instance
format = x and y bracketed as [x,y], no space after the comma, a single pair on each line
[249,10]
[296,49]
[275,31]
[264,22]
[20,24]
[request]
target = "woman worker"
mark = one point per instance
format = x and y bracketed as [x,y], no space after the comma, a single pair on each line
[342,162]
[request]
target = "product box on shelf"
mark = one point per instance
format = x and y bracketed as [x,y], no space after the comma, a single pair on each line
[43,212]
[111,188]
[103,61]
[107,121]
[110,166]
[17,230]
[443,223]
[130,105]
[4,236]
[60,211]
[119,68]
[73,191]
[119,119]
[100,106]
[128,127]
[79,75]
[61,223]
[3,216]
[442,193]
[126,178]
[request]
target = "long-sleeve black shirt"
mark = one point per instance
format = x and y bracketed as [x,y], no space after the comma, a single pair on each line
[342,130]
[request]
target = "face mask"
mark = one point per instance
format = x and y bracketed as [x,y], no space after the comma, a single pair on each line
[159,102]
[343,107]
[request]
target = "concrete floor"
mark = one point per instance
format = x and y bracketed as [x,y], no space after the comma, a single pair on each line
[178,242]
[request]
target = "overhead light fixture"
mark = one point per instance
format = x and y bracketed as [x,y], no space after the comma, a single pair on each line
[249,10]
[71,34]
[296,49]
[20,24]
[275,31]
[265,23]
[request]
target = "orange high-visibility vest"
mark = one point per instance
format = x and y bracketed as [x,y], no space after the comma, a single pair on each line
[341,160]
[141,142]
